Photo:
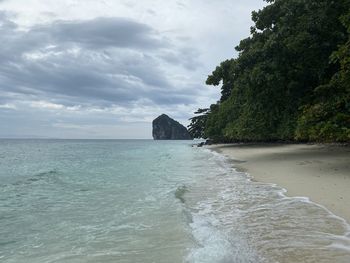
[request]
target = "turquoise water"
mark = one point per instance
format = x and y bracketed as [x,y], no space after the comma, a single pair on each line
[148,201]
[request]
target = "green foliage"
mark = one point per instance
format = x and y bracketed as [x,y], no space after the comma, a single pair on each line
[327,116]
[225,74]
[281,68]
[197,125]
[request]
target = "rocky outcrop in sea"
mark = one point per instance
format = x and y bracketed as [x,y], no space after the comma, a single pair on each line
[165,128]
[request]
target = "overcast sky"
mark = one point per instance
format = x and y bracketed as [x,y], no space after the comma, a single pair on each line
[107,68]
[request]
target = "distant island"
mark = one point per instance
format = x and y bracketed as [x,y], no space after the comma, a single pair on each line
[166,128]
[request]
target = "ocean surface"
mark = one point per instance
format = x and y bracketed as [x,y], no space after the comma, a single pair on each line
[131,201]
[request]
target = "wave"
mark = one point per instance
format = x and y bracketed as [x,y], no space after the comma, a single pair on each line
[42,175]
[180,192]
[32,179]
[238,220]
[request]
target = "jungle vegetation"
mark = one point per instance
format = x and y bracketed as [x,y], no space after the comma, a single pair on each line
[290,80]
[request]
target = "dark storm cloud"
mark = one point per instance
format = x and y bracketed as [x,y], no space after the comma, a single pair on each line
[102,32]
[97,62]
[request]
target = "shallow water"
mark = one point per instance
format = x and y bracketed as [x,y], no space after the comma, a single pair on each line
[147,201]
[254,222]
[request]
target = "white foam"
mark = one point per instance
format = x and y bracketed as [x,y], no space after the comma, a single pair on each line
[282,191]
[220,239]
[213,245]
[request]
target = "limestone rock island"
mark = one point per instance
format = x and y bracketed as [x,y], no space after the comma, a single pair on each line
[165,128]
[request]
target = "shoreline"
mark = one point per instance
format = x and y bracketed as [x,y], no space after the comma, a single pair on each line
[318,172]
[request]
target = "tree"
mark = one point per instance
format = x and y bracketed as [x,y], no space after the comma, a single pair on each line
[197,125]
[277,71]
[327,116]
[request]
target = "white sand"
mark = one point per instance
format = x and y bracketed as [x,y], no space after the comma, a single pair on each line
[320,172]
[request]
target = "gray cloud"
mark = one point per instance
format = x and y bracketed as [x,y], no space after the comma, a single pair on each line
[76,69]
[102,32]
[99,61]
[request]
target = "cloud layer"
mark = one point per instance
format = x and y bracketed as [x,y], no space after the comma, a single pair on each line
[99,61]
[97,76]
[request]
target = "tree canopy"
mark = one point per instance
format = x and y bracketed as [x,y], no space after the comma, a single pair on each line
[290,80]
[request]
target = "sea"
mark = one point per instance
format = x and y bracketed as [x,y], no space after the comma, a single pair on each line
[144,201]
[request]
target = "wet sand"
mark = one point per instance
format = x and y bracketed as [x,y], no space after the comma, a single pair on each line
[319,172]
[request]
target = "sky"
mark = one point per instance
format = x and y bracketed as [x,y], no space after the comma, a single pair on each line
[104,69]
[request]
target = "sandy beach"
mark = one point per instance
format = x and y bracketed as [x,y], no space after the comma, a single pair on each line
[319,172]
